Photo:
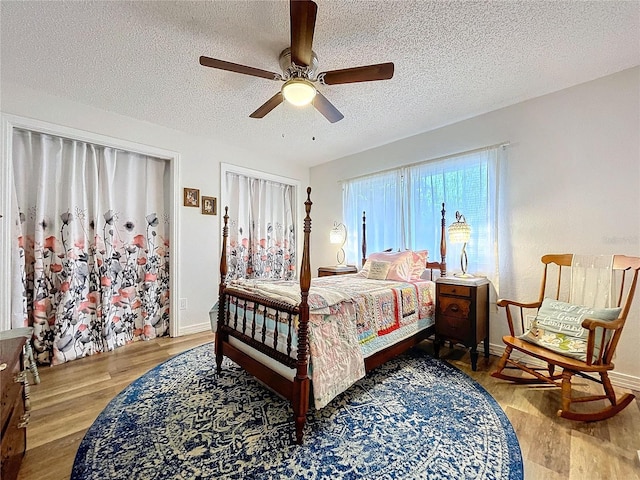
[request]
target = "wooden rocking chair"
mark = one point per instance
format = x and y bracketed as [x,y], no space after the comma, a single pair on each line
[602,339]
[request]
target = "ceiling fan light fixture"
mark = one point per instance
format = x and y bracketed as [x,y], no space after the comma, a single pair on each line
[298,91]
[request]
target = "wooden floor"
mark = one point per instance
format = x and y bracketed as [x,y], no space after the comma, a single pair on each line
[71,396]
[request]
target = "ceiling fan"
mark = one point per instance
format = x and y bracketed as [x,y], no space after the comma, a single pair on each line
[299,64]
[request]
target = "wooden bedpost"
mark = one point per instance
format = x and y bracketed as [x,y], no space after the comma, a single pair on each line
[364,238]
[301,382]
[221,295]
[443,245]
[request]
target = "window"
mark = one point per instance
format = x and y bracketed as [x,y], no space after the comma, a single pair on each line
[403,208]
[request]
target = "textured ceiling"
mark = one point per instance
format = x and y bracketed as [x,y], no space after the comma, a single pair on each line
[453,60]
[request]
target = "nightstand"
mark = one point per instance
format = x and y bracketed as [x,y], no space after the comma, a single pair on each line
[462,314]
[336,270]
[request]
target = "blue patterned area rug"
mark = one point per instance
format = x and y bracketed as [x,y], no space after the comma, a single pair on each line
[413,418]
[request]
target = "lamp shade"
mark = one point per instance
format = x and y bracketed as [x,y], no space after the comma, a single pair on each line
[338,234]
[460,230]
[298,91]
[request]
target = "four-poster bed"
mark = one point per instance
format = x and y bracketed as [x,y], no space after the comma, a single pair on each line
[282,337]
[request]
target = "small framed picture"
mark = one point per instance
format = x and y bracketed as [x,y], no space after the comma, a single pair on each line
[191,197]
[209,205]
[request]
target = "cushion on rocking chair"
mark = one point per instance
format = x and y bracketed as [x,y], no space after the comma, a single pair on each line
[558,327]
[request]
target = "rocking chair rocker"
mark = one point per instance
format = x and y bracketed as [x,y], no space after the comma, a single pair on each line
[601,337]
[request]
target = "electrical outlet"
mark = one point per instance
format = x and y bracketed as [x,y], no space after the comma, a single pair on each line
[183,304]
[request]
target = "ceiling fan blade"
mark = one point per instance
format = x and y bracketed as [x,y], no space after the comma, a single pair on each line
[326,108]
[303,22]
[368,73]
[267,106]
[234,67]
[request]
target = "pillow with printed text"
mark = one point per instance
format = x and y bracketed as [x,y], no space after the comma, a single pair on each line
[558,327]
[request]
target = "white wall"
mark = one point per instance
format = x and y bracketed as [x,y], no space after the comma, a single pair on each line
[198,245]
[571,183]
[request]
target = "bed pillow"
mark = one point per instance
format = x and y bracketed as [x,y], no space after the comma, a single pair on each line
[419,263]
[400,268]
[378,270]
[558,327]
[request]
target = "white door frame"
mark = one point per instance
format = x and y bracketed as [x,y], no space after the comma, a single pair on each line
[9,122]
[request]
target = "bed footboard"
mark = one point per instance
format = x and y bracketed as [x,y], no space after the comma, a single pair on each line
[243,325]
[246,327]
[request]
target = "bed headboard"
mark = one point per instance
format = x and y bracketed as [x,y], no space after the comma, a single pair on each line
[441,265]
[305,269]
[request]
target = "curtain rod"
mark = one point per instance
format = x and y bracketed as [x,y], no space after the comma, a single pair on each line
[466,152]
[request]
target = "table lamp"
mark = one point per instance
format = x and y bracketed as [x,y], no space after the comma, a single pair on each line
[338,236]
[460,232]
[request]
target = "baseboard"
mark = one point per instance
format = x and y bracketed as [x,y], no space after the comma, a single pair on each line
[617,379]
[197,328]
[625,381]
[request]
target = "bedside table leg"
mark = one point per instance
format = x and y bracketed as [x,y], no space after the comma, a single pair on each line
[474,359]
[486,347]
[436,348]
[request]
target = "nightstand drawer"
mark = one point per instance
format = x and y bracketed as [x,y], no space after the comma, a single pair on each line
[454,307]
[10,355]
[14,442]
[454,328]
[459,290]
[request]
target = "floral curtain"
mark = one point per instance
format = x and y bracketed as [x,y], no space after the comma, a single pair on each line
[92,246]
[261,228]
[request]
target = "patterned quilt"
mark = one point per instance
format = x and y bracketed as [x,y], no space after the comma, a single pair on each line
[347,312]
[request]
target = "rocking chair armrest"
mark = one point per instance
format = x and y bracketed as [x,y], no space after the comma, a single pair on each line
[503,302]
[591,324]
[607,342]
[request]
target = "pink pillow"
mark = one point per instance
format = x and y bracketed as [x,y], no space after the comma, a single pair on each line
[419,263]
[401,264]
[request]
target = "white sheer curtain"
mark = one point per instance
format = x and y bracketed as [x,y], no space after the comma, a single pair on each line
[261,228]
[92,237]
[403,208]
[465,183]
[380,197]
